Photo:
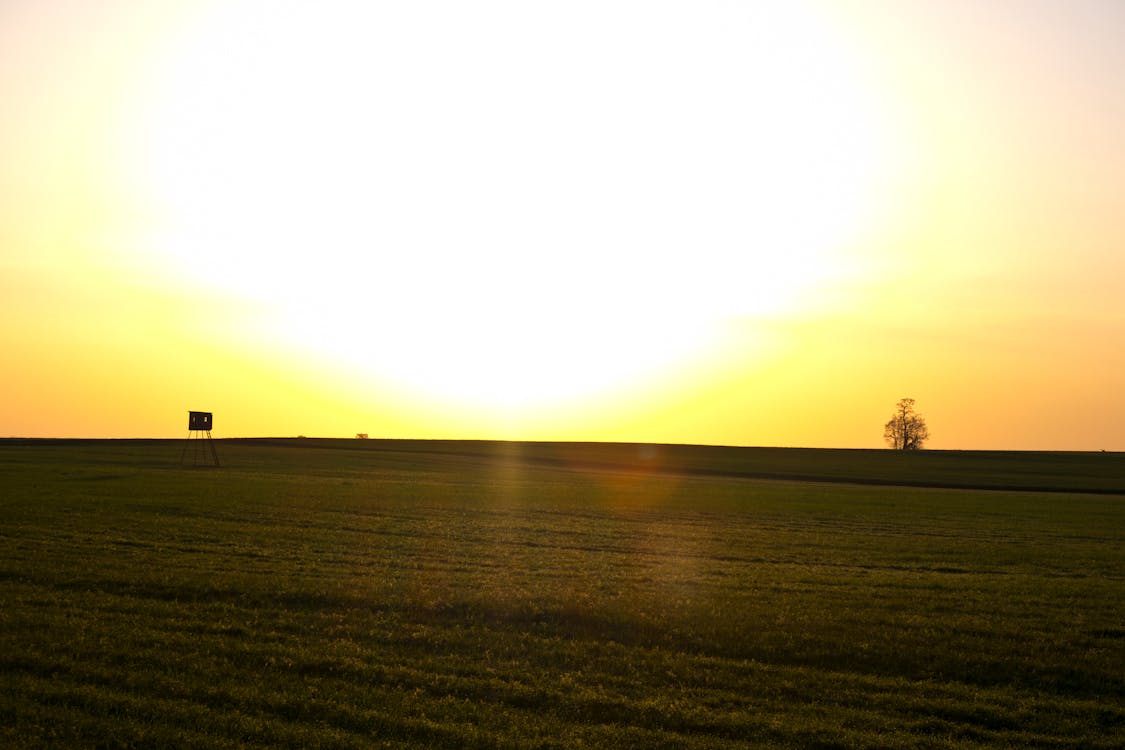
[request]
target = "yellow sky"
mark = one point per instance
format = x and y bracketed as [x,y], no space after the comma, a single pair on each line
[704,222]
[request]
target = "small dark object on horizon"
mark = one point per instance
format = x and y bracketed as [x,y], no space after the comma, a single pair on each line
[199,420]
[199,425]
[906,430]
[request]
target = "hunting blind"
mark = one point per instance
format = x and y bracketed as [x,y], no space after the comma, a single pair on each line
[199,443]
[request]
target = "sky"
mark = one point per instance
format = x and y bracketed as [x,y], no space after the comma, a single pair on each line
[711,222]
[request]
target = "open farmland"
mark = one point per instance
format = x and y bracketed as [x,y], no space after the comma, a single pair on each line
[425,593]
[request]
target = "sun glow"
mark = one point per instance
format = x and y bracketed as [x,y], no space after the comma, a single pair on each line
[501,204]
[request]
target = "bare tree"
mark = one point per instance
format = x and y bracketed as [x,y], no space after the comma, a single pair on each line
[906,430]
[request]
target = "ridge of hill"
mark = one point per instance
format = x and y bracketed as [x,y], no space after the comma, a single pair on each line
[1031,471]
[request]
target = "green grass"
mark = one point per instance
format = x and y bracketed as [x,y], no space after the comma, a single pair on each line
[468,594]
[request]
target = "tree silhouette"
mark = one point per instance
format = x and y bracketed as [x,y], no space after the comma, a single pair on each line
[906,430]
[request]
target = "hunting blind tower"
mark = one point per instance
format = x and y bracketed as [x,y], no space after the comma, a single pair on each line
[199,443]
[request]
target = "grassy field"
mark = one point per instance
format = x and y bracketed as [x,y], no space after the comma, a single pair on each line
[470,594]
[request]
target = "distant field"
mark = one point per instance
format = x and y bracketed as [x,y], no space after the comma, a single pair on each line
[318,593]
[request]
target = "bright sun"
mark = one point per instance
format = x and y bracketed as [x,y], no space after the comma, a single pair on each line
[506,203]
